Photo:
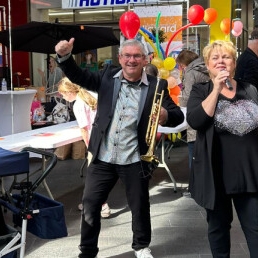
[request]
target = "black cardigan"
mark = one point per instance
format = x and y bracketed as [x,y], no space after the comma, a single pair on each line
[201,183]
[103,82]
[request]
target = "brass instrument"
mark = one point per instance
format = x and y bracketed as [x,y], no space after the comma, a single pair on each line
[153,127]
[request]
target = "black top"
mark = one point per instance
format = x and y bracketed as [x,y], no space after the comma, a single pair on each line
[235,145]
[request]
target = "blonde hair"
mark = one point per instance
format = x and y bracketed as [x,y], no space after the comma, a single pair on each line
[219,44]
[65,85]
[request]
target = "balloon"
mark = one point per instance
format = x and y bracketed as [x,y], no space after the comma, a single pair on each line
[172,82]
[163,73]
[158,62]
[175,99]
[195,14]
[153,39]
[129,24]
[238,26]
[149,41]
[236,34]
[169,63]
[173,36]
[174,91]
[225,26]
[210,15]
[157,34]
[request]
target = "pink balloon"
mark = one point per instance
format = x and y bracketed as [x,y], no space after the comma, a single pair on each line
[237,26]
[235,33]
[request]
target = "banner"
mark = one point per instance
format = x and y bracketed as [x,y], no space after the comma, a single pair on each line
[73,4]
[170,22]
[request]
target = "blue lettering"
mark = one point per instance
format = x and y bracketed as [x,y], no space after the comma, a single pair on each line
[95,2]
[86,2]
[120,1]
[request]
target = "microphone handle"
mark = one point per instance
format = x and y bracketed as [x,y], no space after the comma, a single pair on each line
[229,85]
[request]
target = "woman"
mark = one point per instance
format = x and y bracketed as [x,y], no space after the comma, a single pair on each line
[55,74]
[84,109]
[225,164]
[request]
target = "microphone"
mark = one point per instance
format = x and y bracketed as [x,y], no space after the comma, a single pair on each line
[228,83]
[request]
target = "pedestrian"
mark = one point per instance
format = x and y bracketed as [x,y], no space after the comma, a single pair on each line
[194,70]
[125,98]
[225,165]
[247,62]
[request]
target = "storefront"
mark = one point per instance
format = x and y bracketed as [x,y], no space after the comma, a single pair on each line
[108,13]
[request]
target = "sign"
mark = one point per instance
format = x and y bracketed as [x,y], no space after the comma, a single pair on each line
[73,4]
[170,21]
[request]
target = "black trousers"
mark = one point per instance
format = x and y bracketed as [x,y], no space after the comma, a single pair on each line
[220,219]
[100,179]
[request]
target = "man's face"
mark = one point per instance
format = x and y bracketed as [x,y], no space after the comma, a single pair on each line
[132,61]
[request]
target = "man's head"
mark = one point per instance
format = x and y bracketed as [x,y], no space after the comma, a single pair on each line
[132,58]
[253,41]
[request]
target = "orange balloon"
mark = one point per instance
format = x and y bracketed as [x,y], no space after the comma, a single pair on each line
[174,91]
[210,15]
[225,26]
[175,99]
[172,82]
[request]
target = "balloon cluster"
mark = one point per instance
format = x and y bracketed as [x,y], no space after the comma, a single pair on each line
[226,24]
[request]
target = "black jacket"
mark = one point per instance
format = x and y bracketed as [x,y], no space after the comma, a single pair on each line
[247,67]
[201,183]
[103,83]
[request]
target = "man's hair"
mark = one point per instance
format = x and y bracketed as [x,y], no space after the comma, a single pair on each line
[132,42]
[186,57]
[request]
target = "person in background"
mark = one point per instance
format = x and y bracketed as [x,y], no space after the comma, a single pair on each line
[89,62]
[84,108]
[225,164]
[125,97]
[55,74]
[151,70]
[194,71]
[247,62]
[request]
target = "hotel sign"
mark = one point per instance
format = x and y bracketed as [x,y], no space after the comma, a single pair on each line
[73,4]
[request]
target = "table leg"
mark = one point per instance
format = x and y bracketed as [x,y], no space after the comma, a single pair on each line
[44,181]
[163,164]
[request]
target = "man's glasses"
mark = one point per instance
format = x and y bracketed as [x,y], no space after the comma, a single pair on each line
[127,57]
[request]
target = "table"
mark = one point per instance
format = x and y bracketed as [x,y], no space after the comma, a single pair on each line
[49,137]
[168,130]
[15,111]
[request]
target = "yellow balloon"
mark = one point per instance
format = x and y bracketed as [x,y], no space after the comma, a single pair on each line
[163,73]
[158,62]
[169,63]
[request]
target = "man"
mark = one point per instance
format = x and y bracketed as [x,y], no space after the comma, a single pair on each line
[125,98]
[247,62]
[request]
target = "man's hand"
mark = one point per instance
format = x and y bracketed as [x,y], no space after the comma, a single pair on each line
[163,116]
[64,47]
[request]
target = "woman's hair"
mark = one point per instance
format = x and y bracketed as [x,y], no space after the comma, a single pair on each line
[65,85]
[151,69]
[186,57]
[132,42]
[219,44]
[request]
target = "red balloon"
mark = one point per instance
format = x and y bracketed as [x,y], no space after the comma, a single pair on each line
[195,14]
[129,24]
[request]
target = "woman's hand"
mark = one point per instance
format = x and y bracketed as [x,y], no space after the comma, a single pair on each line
[219,80]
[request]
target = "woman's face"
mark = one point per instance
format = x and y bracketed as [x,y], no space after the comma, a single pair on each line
[219,60]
